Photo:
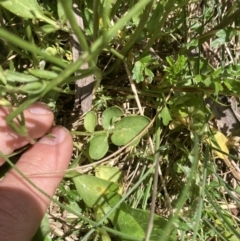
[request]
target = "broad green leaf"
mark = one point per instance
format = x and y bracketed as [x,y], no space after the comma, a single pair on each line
[134,221]
[110,115]
[93,190]
[26,9]
[98,146]
[127,224]
[165,115]
[109,173]
[23,8]
[90,121]
[127,128]
[142,217]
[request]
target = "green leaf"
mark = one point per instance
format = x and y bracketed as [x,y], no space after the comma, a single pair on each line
[180,64]
[27,9]
[149,74]
[110,115]
[14,76]
[109,173]
[142,217]
[43,74]
[127,128]
[134,221]
[98,146]
[127,224]
[138,72]
[90,121]
[23,8]
[218,87]
[165,115]
[43,230]
[61,14]
[147,59]
[93,190]
[217,42]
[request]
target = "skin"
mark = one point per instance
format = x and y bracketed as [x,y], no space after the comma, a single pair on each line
[21,206]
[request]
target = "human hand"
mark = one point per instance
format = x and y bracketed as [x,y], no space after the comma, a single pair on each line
[22,207]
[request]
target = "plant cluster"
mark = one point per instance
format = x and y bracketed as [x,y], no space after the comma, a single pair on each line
[150,158]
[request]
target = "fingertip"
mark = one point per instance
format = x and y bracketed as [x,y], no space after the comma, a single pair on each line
[57,135]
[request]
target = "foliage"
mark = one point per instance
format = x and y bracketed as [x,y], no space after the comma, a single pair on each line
[174,56]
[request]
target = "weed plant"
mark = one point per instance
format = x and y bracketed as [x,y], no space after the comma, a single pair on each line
[150,160]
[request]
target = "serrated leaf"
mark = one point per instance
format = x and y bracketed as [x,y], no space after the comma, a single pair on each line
[138,72]
[110,115]
[98,146]
[90,121]
[146,59]
[127,128]
[165,115]
[93,190]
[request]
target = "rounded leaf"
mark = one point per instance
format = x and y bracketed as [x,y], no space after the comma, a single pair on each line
[110,115]
[98,146]
[127,128]
[90,121]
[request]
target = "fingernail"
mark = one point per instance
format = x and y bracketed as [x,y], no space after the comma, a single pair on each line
[56,136]
[39,108]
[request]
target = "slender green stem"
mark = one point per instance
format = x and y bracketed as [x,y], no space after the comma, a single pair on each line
[67,6]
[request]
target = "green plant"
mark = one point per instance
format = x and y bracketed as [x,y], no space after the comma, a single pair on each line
[176,56]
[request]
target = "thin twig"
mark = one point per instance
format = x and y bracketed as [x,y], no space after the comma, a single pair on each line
[134,90]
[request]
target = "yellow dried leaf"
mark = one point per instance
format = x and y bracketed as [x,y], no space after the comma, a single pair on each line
[220,141]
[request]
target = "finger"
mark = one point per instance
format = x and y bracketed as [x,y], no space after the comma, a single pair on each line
[38,118]
[49,155]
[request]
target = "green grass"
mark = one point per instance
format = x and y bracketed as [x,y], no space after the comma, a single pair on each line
[159,59]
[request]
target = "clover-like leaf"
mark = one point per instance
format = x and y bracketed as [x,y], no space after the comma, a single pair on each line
[127,128]
[90,121]
[110,115]
[98,146]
